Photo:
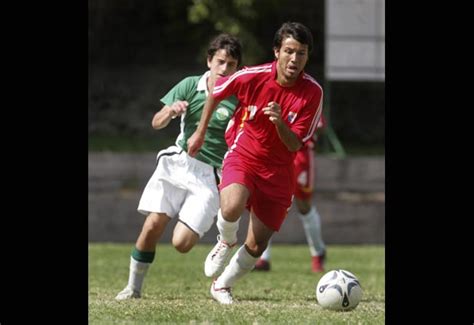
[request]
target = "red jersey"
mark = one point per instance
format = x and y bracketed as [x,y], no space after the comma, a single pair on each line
[254,87]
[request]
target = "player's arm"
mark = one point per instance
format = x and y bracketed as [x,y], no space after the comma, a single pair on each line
[163,117]
[288,137]
[197,139]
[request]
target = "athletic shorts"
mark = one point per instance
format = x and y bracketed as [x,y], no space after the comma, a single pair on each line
[271,187]
[304,169]
[182,186]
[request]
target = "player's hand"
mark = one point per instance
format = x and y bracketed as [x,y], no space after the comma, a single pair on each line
[273,110]
[178,108]
[195,143]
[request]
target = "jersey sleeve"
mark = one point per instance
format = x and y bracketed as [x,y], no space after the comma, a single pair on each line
[180,91]
[309,117]
[226,86]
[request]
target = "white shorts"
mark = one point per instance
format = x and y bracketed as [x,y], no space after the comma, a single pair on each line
[184,186]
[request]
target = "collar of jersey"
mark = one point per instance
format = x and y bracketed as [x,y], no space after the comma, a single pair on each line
[202,83]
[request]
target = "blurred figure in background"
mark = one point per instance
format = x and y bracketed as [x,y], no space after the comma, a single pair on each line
[306,210]
[182,185]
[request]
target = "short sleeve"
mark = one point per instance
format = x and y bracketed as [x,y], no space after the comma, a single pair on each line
[180,91]
[309,117]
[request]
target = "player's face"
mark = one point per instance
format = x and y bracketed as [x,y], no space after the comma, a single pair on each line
[291,60]
[222,64]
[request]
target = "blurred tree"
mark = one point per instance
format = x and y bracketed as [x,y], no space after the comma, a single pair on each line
[255,23]
[139,49]
[236,17]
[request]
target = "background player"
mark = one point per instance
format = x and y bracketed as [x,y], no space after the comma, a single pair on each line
[182,185]
[305,172]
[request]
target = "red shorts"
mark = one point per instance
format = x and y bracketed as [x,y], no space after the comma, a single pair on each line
[271,187]
[304,169]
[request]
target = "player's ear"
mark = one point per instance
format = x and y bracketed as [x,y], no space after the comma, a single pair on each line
[209,60]
[277,52]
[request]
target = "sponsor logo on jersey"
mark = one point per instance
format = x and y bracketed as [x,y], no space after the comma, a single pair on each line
[222,114]
[291,116]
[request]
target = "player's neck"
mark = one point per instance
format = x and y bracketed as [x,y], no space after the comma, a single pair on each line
[285,82]
[211,82]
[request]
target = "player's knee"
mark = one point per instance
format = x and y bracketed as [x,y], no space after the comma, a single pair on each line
[183,240]
[230,212]
[152,226]
[303,205]
[182,246]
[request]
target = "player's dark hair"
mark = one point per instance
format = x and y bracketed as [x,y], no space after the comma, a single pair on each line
[298,31]
[226,42]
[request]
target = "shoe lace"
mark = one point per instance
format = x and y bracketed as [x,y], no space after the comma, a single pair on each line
[226,289]
[222,248]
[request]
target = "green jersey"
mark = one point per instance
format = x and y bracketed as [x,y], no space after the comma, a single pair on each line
[194,91]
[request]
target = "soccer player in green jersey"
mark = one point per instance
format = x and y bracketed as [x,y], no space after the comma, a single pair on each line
[183,186]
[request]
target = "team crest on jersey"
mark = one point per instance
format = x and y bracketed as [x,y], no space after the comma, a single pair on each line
[222,114]
[292,116]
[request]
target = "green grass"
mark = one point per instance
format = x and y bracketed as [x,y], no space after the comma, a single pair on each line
[177,292]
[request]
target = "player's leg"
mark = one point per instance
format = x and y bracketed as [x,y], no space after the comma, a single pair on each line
[243,260]
[143,254]
[233,201]
[305,175]
[267,215]
[184,238]
[199,208]
[196,218]
[311,220]
[161,200]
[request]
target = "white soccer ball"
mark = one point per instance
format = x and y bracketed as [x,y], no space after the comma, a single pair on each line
[338,290]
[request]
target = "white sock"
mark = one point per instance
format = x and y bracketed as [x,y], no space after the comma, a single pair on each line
[267,253]
[227,230]
[240,264]
[137,274]
[312,229]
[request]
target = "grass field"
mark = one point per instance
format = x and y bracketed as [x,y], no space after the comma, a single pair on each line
[177,292]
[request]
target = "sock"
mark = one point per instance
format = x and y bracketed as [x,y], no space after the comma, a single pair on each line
[139,264]
[312,228]
[227,230]
[266,255]
[240,264]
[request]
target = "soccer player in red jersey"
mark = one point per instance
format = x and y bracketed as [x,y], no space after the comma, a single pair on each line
[305,167]
[282,106]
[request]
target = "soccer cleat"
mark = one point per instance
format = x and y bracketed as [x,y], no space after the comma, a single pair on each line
[317,263]
[127,293]
[262,265]
[217,258]
[221,295]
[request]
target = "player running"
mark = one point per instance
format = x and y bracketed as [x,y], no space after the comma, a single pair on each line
[282,107]
[182,185]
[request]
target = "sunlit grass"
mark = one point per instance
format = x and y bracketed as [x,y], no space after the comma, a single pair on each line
[176,290]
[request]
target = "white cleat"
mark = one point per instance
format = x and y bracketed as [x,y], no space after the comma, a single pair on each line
[127,293]
[221,295]
[217,258]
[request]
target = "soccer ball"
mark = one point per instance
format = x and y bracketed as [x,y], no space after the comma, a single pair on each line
[338,290]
